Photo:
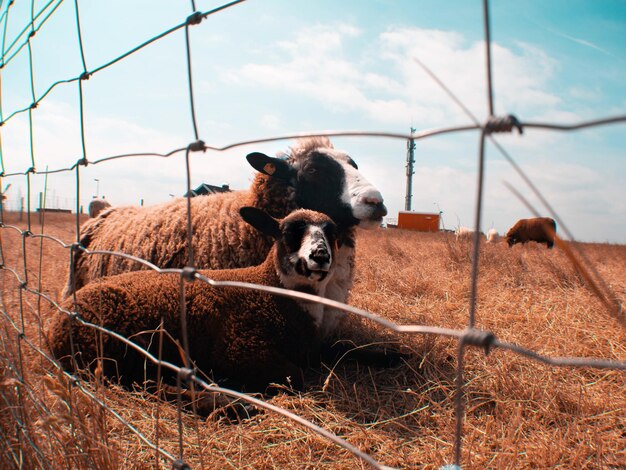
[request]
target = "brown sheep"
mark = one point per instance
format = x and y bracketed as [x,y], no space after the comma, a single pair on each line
[96,206]
[313,175]
[538,229]
[246,339]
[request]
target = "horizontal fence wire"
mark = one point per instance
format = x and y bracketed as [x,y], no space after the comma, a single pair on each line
[418,135]
[470,336]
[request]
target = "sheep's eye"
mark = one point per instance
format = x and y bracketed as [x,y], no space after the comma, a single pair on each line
[330,230]
[311,170]
[352,163]
[294,232]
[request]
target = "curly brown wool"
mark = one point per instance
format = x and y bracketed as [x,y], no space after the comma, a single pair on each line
[248,339]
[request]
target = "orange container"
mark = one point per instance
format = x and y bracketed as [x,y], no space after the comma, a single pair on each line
[419,222]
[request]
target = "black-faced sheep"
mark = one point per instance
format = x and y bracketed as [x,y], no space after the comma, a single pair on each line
[246,338]
[313,175]
[96,206]
[538,229]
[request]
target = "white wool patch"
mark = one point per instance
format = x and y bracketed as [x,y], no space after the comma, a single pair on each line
[338,289]
[315,239]
[359,194]
[492,235]
[315,310]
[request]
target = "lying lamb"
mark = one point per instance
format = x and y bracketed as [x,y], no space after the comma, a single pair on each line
[313,175]
[243,338]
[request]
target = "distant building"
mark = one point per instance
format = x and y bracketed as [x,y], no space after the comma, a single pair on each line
[205,189]
[420,222]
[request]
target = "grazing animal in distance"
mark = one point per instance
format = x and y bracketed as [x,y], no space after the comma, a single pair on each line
[96,206]
[312,175]
[492,236]
[465,233]
[538,229]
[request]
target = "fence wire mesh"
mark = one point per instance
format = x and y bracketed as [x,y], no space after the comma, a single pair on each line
[17,334]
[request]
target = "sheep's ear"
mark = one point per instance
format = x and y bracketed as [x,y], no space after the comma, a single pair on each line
[270,166]
[261,221]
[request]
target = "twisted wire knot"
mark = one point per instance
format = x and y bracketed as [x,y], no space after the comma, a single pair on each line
[185,374]
[180,465]
[482,339]
[197,146]
[195,18]
[188,273]
[503,124]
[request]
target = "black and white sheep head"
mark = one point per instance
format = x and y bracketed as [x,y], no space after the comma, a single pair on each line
[305,245]
[326,180]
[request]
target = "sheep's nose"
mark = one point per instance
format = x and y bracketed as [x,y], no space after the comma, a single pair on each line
[375,200]
[321,256]
[380,210]
[376,203]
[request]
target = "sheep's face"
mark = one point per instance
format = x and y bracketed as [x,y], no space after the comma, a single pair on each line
[307,246]
[328,181]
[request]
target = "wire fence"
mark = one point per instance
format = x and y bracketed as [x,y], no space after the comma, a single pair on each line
[23,43]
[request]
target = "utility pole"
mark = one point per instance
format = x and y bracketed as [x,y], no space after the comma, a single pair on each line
[410,160]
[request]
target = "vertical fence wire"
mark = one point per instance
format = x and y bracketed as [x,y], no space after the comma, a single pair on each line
[5,17]
[193,19]
[487,33]
[42,219]
[79,34]
[19,382]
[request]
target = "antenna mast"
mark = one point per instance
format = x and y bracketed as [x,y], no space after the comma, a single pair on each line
[410,160]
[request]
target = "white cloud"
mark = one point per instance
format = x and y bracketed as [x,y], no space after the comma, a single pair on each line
[384,83]
[57,145]
[338,71]
[270,122]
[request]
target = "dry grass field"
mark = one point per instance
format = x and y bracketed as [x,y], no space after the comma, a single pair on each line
[520,413]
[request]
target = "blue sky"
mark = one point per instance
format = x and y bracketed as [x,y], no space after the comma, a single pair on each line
[269,68]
